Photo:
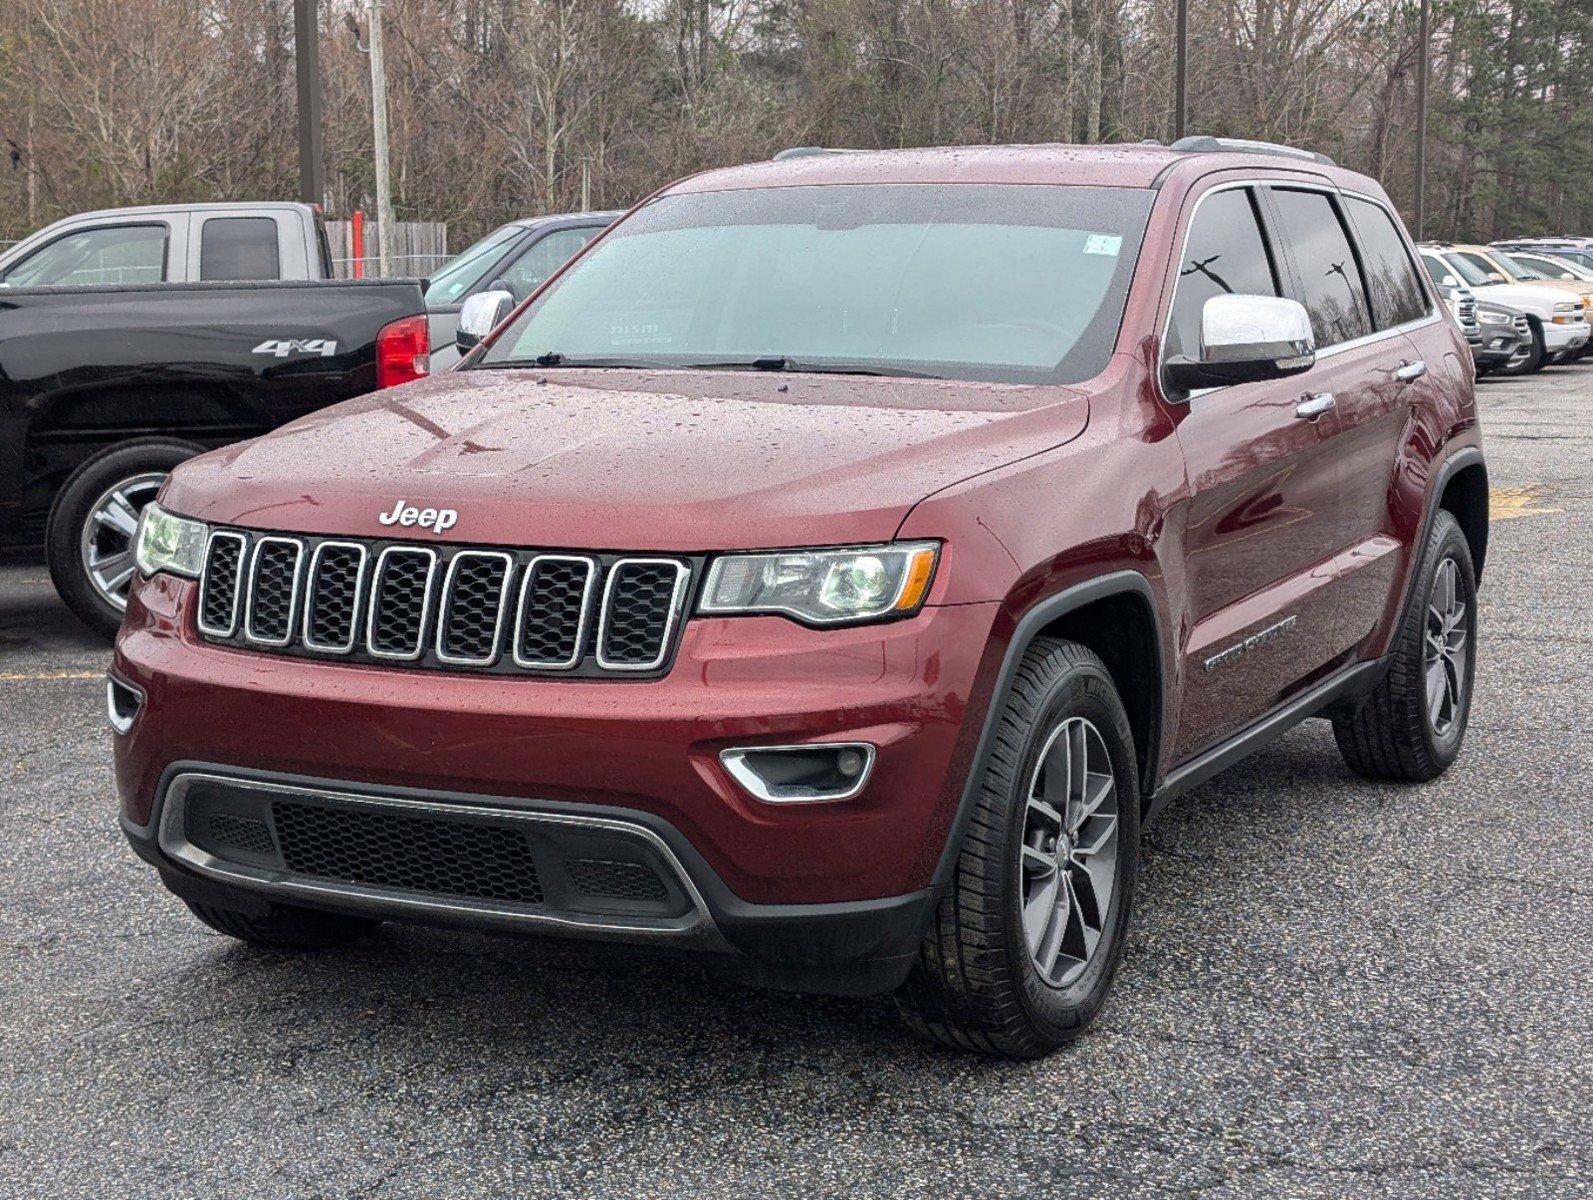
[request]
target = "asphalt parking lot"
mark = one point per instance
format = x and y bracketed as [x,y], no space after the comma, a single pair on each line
[1333,988]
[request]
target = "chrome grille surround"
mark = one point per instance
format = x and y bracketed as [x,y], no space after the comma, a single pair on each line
[312,598]
[450,604]
[582,620]
[264,550]
[671,615]
[469,609]
[216,580]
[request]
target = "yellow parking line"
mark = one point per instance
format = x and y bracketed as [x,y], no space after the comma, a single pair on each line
[41,676]
[1506,503]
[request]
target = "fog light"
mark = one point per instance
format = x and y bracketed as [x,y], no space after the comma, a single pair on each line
[810,774]
[122,702]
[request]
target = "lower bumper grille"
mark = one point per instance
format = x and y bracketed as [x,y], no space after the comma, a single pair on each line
[409,853]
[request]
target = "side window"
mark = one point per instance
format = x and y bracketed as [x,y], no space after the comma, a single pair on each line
[1397,294]
[1330,281]
[1224,254]
[1490,273]
[531,270]
[107,255]
[1438,269]
[239,248]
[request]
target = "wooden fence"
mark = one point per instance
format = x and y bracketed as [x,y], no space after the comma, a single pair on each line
[419,248]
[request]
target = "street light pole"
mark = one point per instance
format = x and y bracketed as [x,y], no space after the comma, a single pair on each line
[384,196]
[1421,120]
[1181,72]
[307,68]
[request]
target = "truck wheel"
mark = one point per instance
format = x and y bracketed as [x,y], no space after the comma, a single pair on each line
[1411,727]
[1021,951]
[1529,359]
[89,537]
[286,928]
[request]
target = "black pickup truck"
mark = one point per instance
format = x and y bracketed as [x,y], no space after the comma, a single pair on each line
[104,389]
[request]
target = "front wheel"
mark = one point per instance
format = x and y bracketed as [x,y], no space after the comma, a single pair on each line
[1528,357]
[1021,952]
[89,537]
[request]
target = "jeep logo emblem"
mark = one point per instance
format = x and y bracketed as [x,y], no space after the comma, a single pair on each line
[439,520]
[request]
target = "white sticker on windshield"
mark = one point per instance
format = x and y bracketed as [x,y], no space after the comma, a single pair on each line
[1103,243]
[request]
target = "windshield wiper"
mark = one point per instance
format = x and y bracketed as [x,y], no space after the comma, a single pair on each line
[778,362]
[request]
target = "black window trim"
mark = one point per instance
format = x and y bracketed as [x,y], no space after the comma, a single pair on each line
[1262,188]
[157,223]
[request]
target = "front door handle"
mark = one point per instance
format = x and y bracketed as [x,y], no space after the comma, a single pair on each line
[1313,407]
[1411,372]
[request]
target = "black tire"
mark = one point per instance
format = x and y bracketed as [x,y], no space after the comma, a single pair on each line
[72,514]
[976,985]
[286,928]
[1534,360]
[1394,734]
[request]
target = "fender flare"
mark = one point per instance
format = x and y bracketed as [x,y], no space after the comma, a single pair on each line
[1034,619]
[1466,456]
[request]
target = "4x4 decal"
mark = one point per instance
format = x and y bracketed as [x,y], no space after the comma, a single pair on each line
[285,348]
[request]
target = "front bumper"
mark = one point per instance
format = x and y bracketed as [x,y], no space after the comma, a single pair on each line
[1566,338]
[826,896]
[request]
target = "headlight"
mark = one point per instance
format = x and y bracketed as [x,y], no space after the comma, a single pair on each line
[1493,316]
[166,542]
[824,587]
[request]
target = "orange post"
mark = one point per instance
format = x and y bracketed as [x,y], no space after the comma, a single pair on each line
[359,244]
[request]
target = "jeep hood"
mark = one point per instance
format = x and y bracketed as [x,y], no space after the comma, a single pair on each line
[629,460]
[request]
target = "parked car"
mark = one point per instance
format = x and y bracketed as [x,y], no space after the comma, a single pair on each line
[1503,264]
[516,258]
[175,243]
[103,389]
[830,573]
[1500,337]
[1577,250]
[1557,320]
[1553,266]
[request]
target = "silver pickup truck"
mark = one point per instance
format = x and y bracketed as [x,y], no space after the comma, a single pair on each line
[174,243]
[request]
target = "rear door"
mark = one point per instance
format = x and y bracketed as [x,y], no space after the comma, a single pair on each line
[1262,519]
[1415,351]
[249,246]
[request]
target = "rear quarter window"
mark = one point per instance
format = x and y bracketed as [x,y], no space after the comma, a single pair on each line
[1396,291]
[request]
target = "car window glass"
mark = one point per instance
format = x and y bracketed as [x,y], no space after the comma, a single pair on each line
[1480,264]
[999,282]
[108,255]
[1520,269]
[1397,295]
[1330,280]
[461,273]
[531,270]
[1224,254]
[239,248]
[1438,269]
[1476,276]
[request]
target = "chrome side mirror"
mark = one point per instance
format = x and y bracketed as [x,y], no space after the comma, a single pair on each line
[1244,339]
[479,316]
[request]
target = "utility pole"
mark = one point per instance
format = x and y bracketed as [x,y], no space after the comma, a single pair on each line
[1181,72]
[1421,120]
[384,194]
[307,67]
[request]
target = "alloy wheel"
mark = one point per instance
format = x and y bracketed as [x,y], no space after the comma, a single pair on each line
[106,544]
[1444,656]
[1068,857]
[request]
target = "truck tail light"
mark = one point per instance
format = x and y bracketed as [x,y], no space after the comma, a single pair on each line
[403,352]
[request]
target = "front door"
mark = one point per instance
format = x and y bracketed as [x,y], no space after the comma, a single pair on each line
[1260,523]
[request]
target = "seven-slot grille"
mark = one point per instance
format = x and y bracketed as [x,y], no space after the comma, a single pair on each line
[1466,311]
[443,607]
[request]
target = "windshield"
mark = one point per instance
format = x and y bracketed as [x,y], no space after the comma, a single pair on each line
[463,272]
[968,281]
[1522,270]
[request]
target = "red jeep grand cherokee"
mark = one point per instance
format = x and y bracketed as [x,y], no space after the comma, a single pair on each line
[832,571]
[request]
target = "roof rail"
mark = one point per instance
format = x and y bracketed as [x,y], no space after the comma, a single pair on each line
[808,152]
[1200,144]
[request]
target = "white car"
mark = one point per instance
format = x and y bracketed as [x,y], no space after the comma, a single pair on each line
[1559,322]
